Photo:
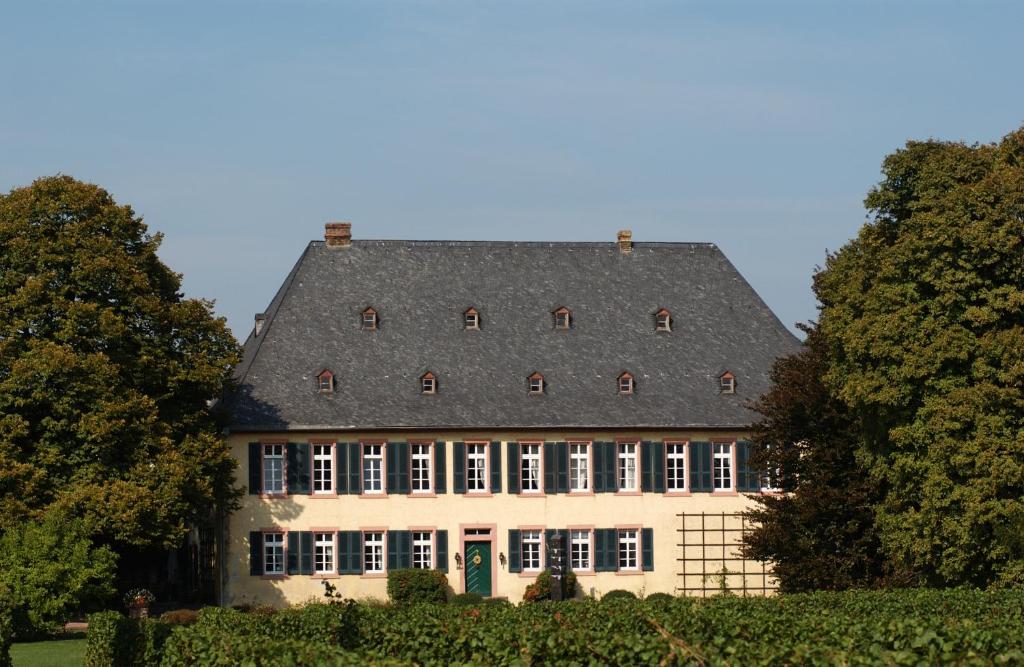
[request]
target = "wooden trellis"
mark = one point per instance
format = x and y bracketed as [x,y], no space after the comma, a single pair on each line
[710,560]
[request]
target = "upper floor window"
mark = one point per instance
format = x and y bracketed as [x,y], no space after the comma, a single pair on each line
[728,383]
[563,318]
[722,471]
[369,319]
[325,381]
[627,466]
[536,383]
[626,384]
[675,469]
[530,466]
[421,468]
[323,468]
[579,466]
[471,319]
[476,467]
[663,320]
[428,383]
[273,468]
[373,468]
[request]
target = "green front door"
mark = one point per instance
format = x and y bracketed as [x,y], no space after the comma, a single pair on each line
[478,568]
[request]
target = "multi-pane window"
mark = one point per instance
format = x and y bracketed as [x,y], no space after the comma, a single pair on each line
[626,384]
[273,468]
[428,384]
[373,468]
[323,553]
[628,547]
[472,319]
[326,382]
[579,549]
[421,465]
[273,553]
[323,468]
[531,549]
[579,467]
[723,466]
[530,455]
[369,320]
[664,321]
[373,552]
[423,550]
[563,318]
[675,468]
[728,383]
[476,467]
[536,383]
[627,466]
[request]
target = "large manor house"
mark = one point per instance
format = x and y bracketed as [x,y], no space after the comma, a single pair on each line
[461,405]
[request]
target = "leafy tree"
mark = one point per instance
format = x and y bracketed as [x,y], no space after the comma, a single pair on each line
[106,372]
[50,569]
[820,533]
[923,316]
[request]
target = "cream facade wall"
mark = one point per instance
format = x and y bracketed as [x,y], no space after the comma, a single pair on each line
[455,512]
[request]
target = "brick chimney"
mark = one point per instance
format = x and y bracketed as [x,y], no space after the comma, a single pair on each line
[625,241]
[261,319]
[338,234]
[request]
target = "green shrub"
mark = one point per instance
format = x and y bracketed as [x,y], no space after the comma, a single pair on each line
[659,598]
[113,640]
[51,570]
[467,599]
[618,594]
[6,628]
[540,589]
[410,586]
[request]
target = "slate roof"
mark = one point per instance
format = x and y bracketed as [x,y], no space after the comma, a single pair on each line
[420,290]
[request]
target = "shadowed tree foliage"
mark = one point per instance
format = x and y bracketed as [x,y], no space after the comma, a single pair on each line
[819,533]
[106,372]
[923,318]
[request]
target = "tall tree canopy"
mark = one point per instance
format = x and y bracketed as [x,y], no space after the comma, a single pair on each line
[106,371]
[923,318]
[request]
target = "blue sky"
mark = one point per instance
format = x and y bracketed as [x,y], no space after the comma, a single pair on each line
[238,128]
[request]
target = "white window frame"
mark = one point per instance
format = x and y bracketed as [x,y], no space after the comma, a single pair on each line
[273,452]
[368,318]
[477,461]
[329,387]
[676,467]
[323,467]
[423,549]
[536,384]
[627,384]
[428,384]
[722,468]
[579,467]
[728,384]
[663,321]
[563,318]
[627,461]
[373,552]
[530,471]
[421,464]
[628,549]
[534,539]
[273,553]
[324,553]
[471,319]
[372,468]
[581,549]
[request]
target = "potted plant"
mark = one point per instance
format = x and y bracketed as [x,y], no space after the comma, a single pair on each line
[138,601]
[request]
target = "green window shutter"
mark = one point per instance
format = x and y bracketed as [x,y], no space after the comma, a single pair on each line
[391,462]
[298,468]
[403,467]
[341,468]
[548,534]
[705,467]
[255,468]
[659,467]
[292,469]
[440,474]
[255,553]
[597,466]
[606,543]
[646,466]
[611,451]
[647,548]
[748,478]
[459,471]
[343,552]
[355,455]
[293,552]
[305,552]
[393,548]
[598,554]
[495,467]
[700,466]
[404,549]
[549,468]
[355,554]
[442,550]
[512,451]
[515,553]
[562,459]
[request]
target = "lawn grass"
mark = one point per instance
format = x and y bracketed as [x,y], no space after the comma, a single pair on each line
[67,651]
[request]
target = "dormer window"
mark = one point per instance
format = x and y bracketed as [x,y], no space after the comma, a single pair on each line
[536,383]
[663,320]
[369,319]
[728,383]
[428,383]
[325,382]
[471,319]
[563,318]
[626,384]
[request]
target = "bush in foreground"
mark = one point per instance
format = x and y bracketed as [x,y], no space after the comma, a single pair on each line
[410,586]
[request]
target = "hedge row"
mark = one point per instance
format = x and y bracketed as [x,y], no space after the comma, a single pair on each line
[6,628]
[854,628]
[114,640]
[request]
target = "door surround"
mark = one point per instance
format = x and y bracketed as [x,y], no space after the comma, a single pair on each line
[492,538]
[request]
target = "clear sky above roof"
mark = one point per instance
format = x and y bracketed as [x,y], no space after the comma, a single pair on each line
[238,128]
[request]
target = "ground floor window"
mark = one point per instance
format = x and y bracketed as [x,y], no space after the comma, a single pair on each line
[423,550]
[531,549]
[323,553]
